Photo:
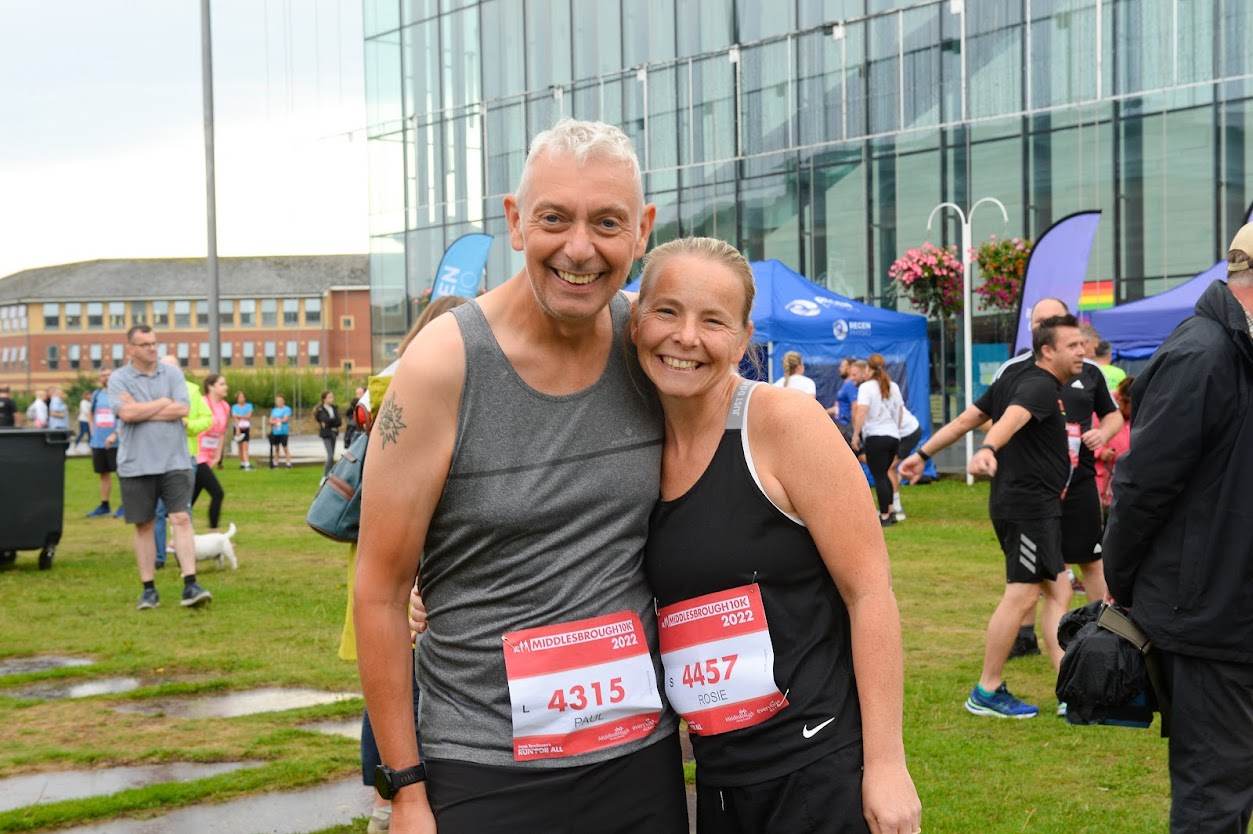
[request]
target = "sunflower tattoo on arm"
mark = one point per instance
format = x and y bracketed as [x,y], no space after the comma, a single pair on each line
[389,422]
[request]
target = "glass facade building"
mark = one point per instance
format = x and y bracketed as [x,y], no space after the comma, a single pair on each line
[819,132]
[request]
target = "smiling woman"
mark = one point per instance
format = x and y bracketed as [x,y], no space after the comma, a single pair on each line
[779,631]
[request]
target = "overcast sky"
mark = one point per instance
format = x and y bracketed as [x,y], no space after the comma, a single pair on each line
[102,129]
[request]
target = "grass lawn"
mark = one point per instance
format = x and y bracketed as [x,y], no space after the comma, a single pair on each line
[276,622]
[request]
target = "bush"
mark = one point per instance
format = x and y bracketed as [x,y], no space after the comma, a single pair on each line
[301,387]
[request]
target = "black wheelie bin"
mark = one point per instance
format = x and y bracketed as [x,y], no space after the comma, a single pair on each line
[32,492]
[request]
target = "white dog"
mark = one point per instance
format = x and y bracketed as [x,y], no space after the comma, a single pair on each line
[218,547]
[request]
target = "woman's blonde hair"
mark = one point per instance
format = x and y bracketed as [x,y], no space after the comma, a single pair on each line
[879,372]
[791,365]
[708,248]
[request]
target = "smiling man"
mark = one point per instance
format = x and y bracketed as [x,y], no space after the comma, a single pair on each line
[520,454]
[1027,454]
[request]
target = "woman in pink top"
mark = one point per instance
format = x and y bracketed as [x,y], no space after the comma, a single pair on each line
[1118,445]
[210,443]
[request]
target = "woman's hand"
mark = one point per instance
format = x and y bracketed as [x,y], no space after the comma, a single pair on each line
[417,614]
[889,801]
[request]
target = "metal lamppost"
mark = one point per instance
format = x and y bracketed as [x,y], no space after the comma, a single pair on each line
[967,218]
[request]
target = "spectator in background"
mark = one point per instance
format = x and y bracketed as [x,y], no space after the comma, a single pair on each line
[37,411]
[1104,356]
[911,433]
[280,428]
[58,411]
[210,445]
[103,442]
[794,375]
[84,418]
[329,422]
[241,416]
[877,426]
[1179,545]
[351,427]
[198,419]
[150,399]
[1119,445]
[8,408]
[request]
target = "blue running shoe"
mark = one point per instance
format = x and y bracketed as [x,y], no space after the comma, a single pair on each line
[1000,704]
[100,512]
[118,514]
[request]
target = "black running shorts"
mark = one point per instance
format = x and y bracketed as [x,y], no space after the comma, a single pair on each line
[278,440]
[640,792]
[1082,527]
[820,798]
[104,461]
[1033,548]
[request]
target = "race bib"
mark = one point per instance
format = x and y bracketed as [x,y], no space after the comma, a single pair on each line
[104,418]
[210,441]
[580,686]
[242,423]
[1074,440]
[719,661]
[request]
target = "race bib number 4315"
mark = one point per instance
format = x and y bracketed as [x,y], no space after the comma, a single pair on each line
[719,661]
[580,686]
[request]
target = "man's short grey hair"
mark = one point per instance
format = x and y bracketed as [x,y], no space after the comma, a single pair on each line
[583,141]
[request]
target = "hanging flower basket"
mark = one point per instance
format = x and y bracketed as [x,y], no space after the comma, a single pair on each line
[931,278]
[1002,266]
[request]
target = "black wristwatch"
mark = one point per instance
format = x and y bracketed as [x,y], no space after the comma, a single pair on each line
[388,782]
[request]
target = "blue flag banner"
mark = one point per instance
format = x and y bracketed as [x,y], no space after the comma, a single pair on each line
[461,268]
[1056,268]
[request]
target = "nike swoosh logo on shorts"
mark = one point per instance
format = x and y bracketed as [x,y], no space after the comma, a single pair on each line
[808,733]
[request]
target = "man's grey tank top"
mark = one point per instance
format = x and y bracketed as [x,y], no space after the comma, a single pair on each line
[542,521]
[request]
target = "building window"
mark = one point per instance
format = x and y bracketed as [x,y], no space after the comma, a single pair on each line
[21,356]
[52,317]
[315,352]
[160,314]
[204,354]
[117,315]
[291,312]
[73,315]
[226,312]
[250,354]
[119,355]
[183,352]
[346,323]
[269,354]
[202,314]
[95,315]
[54,357]
[313,312]
[96,352]
[269,312]
[182,314]
[76,357]
[247,312]
[139,313]
[5,312]
[347,366]
[293,354]
[21,317]
[228,348]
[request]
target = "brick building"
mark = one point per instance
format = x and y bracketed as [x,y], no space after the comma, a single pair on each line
[303,311]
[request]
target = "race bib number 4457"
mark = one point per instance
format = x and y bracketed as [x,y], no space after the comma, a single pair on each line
[580,686]
[719,661]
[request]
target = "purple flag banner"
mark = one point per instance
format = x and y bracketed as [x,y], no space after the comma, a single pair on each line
[1056,268]
[461,268]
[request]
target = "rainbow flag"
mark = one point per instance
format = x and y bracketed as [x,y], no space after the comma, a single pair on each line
[1097,295]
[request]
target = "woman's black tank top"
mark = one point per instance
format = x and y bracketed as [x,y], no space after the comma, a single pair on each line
[723,533]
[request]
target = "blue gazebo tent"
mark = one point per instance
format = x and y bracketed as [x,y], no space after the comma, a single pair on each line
[1136,329]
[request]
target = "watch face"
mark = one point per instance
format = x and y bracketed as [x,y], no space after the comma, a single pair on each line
[382,781]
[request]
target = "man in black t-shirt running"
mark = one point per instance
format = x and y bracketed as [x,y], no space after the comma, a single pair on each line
[1027,456]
